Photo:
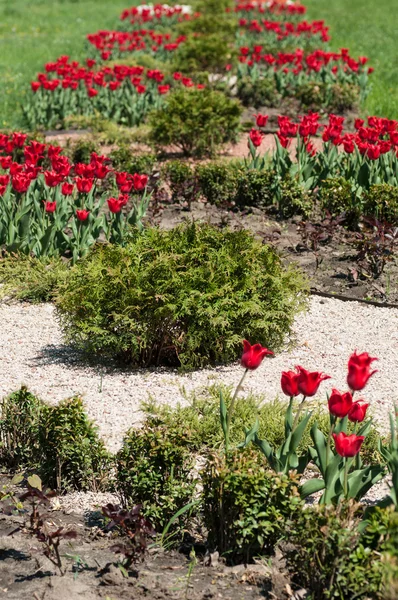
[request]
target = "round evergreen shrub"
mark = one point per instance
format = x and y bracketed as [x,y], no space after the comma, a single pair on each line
[217,181]
[185,297]
[381,201]
[255,188]
[196,121]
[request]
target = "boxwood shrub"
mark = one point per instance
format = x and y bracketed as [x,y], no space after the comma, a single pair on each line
[185,297]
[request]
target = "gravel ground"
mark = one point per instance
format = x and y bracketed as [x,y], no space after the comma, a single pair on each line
[32,353]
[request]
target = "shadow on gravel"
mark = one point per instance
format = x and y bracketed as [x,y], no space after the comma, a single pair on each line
[11,554]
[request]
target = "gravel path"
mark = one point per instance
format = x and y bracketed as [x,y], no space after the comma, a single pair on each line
[32,353]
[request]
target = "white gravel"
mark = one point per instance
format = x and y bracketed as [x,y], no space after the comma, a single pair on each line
[32,353]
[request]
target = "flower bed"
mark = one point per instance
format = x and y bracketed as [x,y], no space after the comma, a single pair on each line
[51,207]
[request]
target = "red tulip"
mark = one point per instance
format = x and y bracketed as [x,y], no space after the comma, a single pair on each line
[358,412]
[252,356]
[359,370]
[82,214]
[289,383]
[115,205]
[52,178]
[84,184]
[256,137]
[67,189]
[50,206]
[261,120]
[308,383]
[340,404]
[348,445]
[139,181]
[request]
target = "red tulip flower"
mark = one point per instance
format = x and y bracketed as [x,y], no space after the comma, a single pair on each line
[261,120]
[115,205]
[308,383]
[139,181]
[252,356]
[358,412]
[84,184]
[340,404]
[289,383]
[67,189]
[348,445]
[359,372]
[82,214]
[256,137]
[50,206]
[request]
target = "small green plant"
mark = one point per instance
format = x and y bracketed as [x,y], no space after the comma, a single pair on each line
[81,150]
[196,121]
[217,181]
[255,188]
[58,442]
[337,197]
[184,297]
[204,53]
[329,557]
[182,181]
[381,201]
[19,430]
[124,159]
[154,470]
[258,92]
[389,452]
[246,507]
[293,199]
[74,457]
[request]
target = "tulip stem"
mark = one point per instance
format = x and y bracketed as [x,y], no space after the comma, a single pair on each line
[296,418]
[345,477]
[232,406]
[328,443]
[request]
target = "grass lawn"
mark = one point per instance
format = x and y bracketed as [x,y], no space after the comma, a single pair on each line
[368,28]
[33,32]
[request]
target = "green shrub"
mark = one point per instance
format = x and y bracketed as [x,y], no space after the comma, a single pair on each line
[124,159]
[342,97]
[204,53]
[154,468]
[182,181]
[186,297]
[258,93]
[58,442]
[337,196]
[381,201]
[331,559]
[217,181]
[81,150]
[196,121]
[293,199]
[19,430]
[31,279]
[74,457]
[246,507]
[255,188]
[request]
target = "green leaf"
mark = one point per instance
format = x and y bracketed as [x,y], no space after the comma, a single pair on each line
[35,482]
[311,487]
[223,415]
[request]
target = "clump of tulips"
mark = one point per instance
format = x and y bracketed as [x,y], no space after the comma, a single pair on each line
[51,207]
[336,456]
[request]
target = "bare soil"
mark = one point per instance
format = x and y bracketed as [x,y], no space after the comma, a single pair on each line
[92,572]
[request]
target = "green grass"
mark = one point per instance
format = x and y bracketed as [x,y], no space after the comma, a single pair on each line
[368,28]
[33,32]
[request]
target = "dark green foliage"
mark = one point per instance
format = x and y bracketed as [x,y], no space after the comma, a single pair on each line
[196,121]
[335,561]
[182,297]
[31,279]
[247,508]
[381,534]
[19,430]
[154,468]
[74,457]
[205,52]
[258,93]
[293,199]
[58,442]
[337,196]
[381,201]
[80,151]
[182,181]
[338,97]
[255,188]
[218,181]
[124,159]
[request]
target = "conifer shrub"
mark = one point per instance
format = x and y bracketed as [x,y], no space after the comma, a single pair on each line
[185,297]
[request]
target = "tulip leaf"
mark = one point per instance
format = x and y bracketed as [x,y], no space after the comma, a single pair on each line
[250,435]
[289,417]
[311,487]
[360,481]
[298,432]
[223,415]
